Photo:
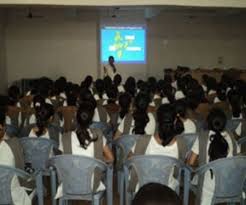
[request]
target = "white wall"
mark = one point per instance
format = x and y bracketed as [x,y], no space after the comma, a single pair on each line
[198,42]
[52,47]
[66,45]
[3,70]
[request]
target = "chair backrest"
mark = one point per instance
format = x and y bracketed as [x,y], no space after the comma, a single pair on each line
[104,127]
[6,176]
[230,175]
[75,173]
[189,140]
[153,168]
[232,124]
[12,131]
[37,151]
[242,143]
[123,147]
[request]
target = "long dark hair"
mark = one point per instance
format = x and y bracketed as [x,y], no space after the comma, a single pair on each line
[140,114]
[169,124]
[124,102]
[43,114]
[84,118]
[218,147]
[100,88]
[234,98]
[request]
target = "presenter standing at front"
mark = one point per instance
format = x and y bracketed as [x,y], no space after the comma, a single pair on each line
[110,69]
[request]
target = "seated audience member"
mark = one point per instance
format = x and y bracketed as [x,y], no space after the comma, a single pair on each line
[189,125]
[100,114]
[211,89]
[130,86]
[87,83]
[99,91]
[14,115]
[43,127]
[67,114]
[165,142]
[140,121]
[234,99]
[86,141]
[158,93]
[212,144]
[125,101]
[30,117]
[11,154]
[117,83]
[168,93]
[156,194]
[179,94]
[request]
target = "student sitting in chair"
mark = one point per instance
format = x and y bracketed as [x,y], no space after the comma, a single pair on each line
[11,154]
[212,144]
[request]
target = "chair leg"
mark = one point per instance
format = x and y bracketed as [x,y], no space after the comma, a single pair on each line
[40,191]
[61,202]
[53,186]
[96,200]
[121,180]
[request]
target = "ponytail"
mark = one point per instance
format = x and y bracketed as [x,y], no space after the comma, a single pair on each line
[43,114]
[84,119]
[140,115]
[124,102]
[170,125]
[218,147]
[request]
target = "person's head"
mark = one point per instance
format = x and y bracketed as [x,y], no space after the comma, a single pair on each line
[99,85]
[86,96]
[111,60]
[156,194]
[218,147]
[84,119]
[180,107]
[130,86]
[107,82]
[234,98]
[71,99]
[221,91]
[168,91]
[140,114]
[112,93]
[125,103]
[117,80]
[169,124]
[38,101]
[2,123]
[44,116]
[13,94]
[87,82]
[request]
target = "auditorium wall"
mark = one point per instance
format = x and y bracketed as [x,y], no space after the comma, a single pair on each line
[67,45]
[3,71]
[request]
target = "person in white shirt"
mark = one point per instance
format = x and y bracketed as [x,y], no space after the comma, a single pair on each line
[117,82]
[85,141]
[125,101]
[213,144]
[7,158]
[140,121]
[165,141]
[110,69]
[100,114]
[189,125]
[43,128]
[234,98]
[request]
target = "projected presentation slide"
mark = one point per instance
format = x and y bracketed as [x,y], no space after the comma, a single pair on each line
[126,44]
